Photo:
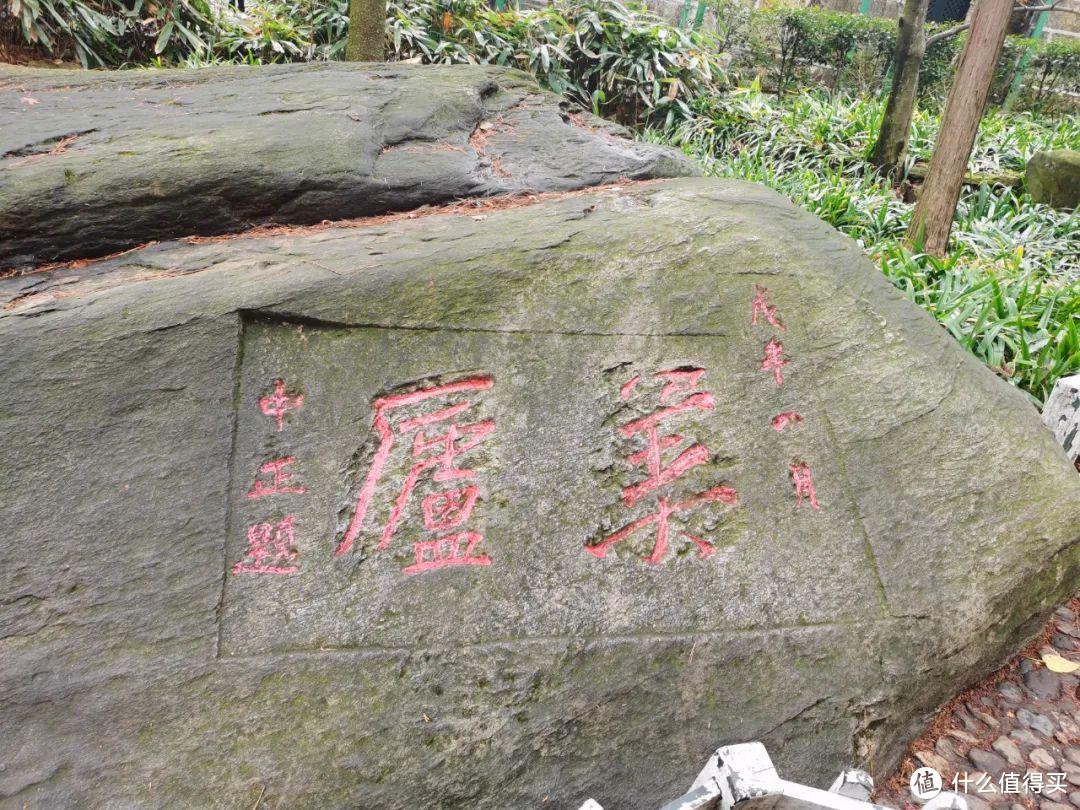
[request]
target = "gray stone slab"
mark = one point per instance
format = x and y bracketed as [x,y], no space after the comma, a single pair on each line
[92,162]
[1036,721]
[1045,684]
[1062,415]
[987,761]
[145,661]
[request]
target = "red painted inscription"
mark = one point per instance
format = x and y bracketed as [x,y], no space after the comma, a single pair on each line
[660,474]
[803,481]
[782,420]
[271,549]
[433,419]
[278,478]
[762,308]
[279,403]
[774,359]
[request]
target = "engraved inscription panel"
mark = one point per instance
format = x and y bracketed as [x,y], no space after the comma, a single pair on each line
[397,488]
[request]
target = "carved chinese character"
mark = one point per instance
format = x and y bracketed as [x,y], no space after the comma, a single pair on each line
[661,519]
[782,420]
[279,403]
[774,359]
[275,469]
[627,388]
[658,474]
[446,551]
[803,481]
[449,508]
[271,549]
[762,307]
[432,421]
[661,474]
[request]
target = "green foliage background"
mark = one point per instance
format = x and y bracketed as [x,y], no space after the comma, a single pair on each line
[618,60]
[613,59]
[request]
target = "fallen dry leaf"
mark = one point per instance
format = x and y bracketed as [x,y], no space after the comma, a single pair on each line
[1055,663]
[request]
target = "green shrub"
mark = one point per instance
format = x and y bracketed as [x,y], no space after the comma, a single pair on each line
[619,61]
[282,31]
[733,22]
[1056,66]
[798,46]
[813,36]
[1053,67]
[109,33]
[936,72]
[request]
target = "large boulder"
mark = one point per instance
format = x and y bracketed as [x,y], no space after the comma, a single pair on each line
[1053,178]
[94,163]
[499,509]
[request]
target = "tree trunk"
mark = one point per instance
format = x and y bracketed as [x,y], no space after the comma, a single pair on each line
[892,139]
[936,206]
[367,31]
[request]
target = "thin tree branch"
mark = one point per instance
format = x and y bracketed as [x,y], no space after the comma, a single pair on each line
[951,32]
[1050,7]
[948,32]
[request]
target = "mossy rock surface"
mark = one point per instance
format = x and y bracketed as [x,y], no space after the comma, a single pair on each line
[92,163]
[144,665]
[1053,178]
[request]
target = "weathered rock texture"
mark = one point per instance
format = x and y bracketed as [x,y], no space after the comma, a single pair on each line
[1053,178]
[95,163]
[1062,414]
[144,660]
